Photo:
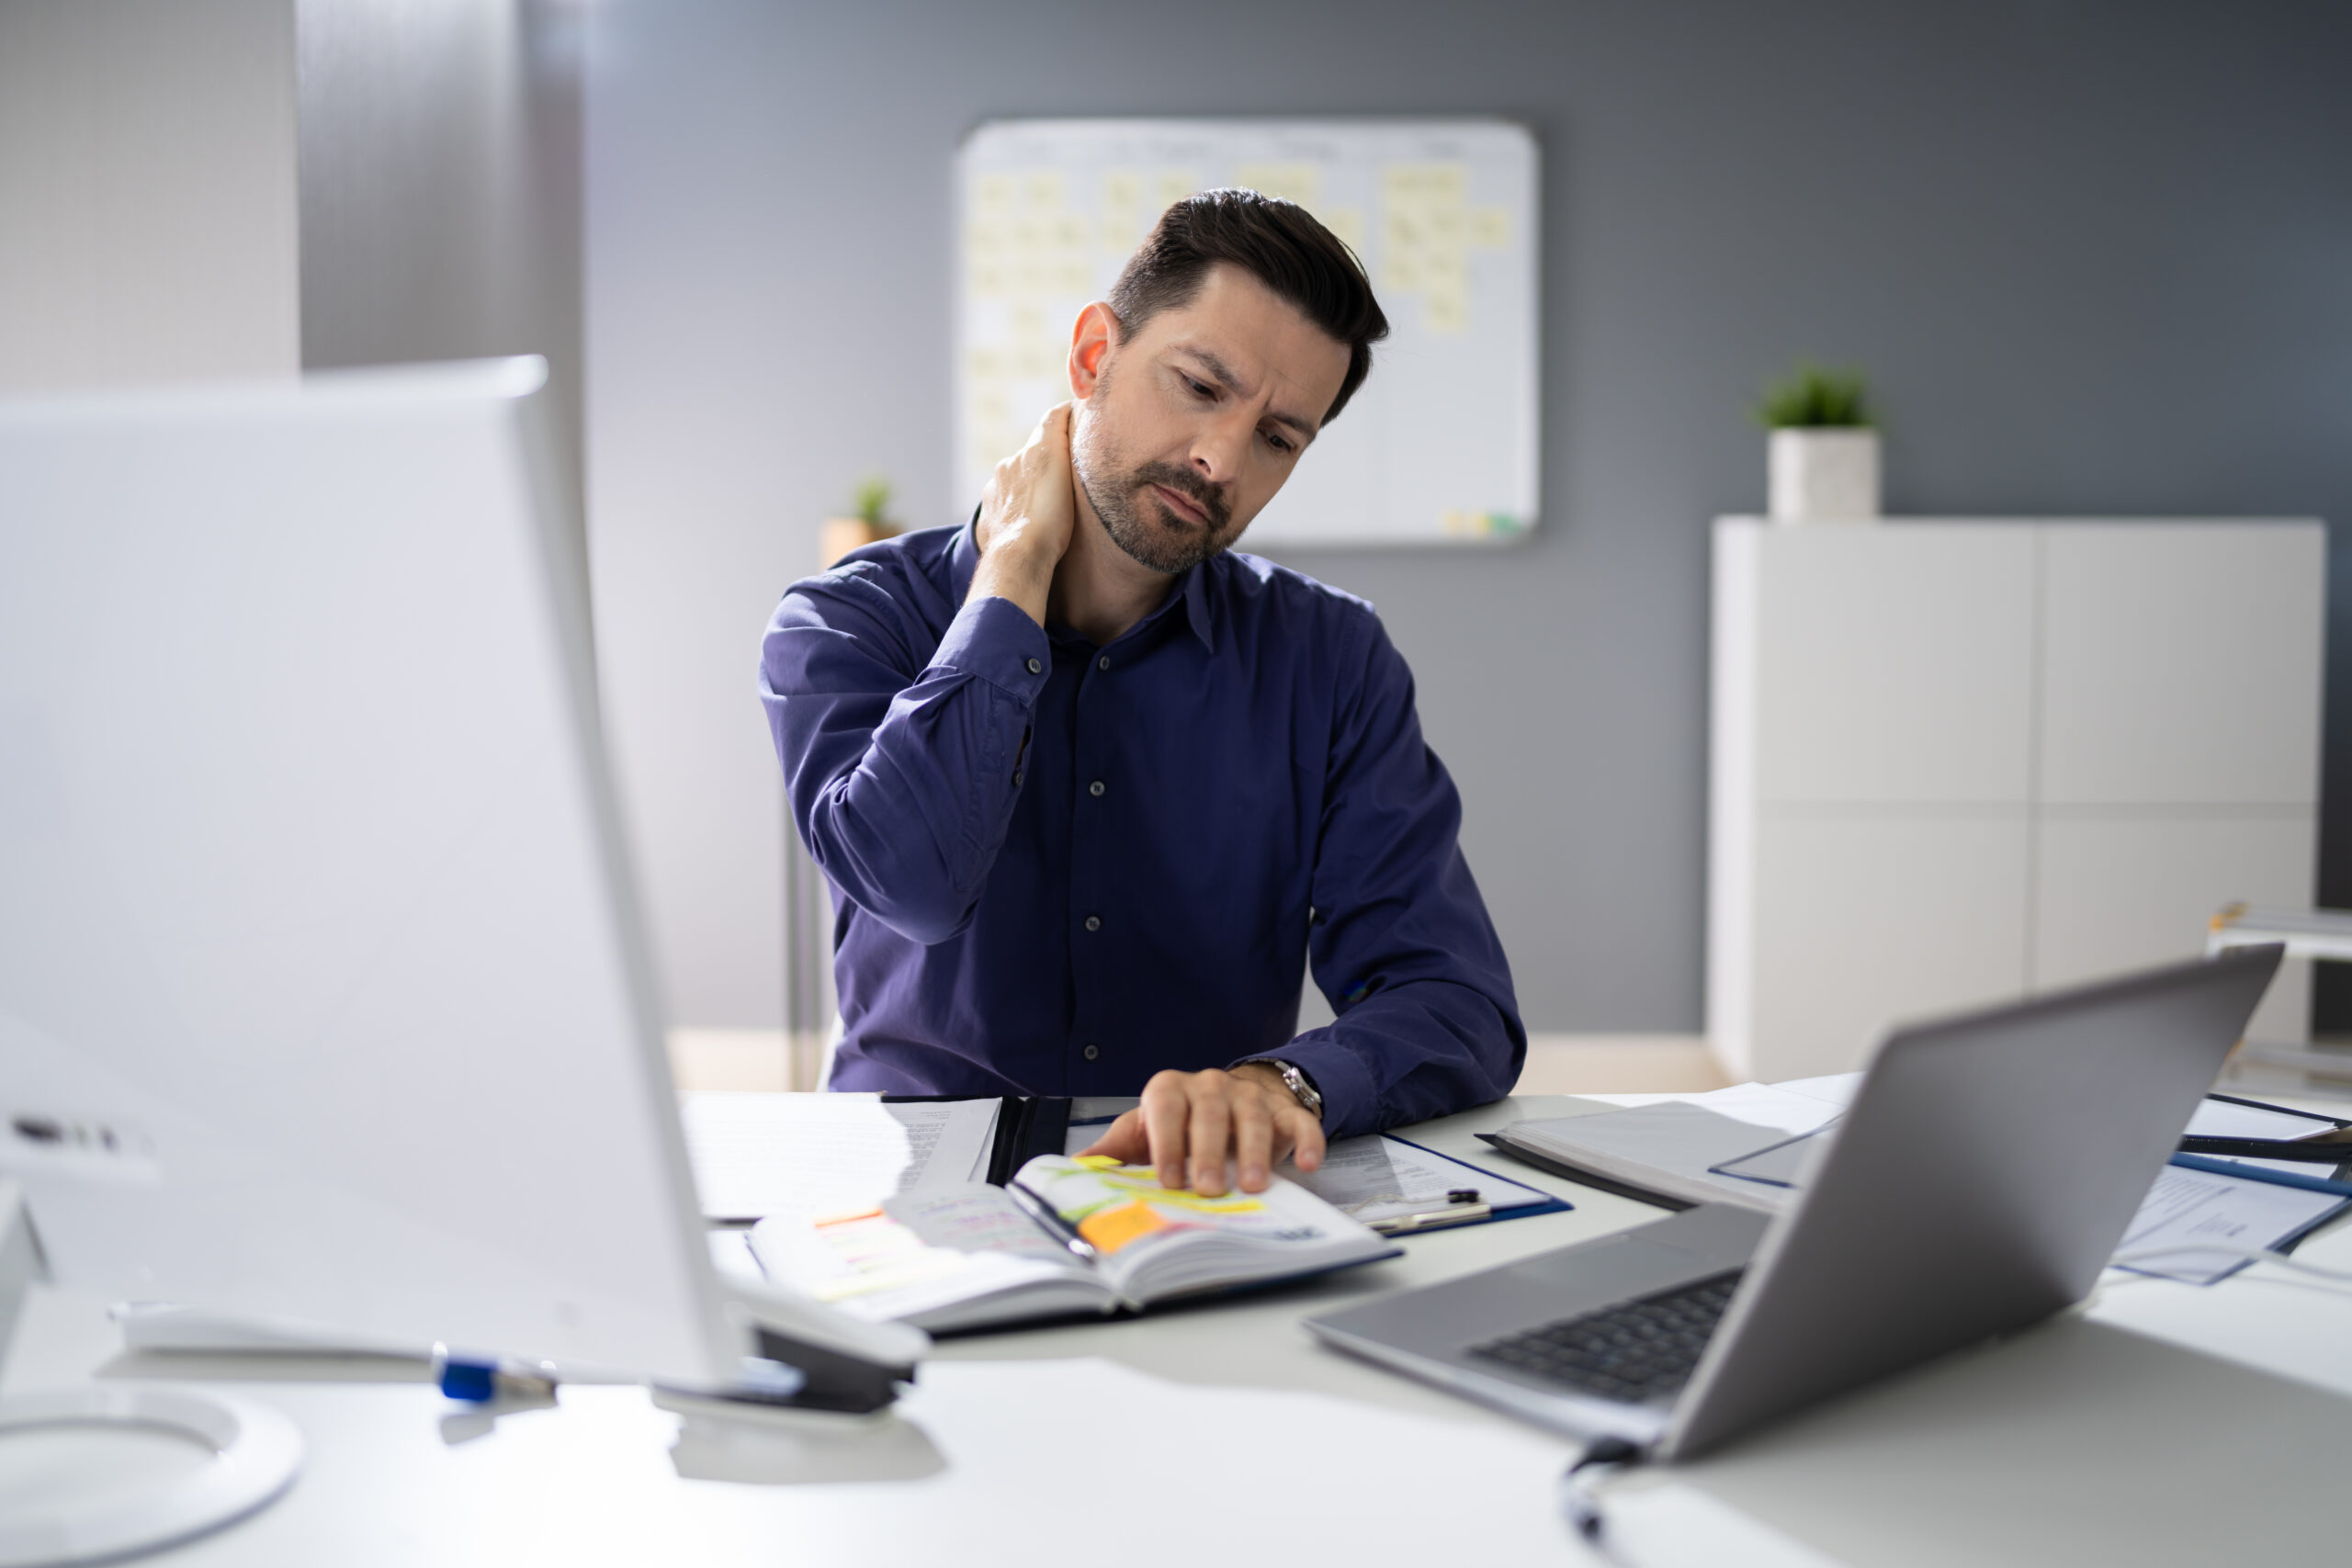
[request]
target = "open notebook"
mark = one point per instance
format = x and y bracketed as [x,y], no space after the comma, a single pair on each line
[1068,1237]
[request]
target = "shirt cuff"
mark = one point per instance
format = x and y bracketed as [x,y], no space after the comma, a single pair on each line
[1350,1102]
[995,639]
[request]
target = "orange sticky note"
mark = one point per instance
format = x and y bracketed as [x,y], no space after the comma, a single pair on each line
[1107,1230]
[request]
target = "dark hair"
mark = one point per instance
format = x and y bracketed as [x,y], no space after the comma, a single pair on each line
[1278,242]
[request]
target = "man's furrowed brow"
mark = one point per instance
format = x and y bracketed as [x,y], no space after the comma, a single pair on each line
[1224,377]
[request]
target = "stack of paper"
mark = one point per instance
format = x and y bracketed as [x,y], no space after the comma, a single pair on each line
[1754,1145]
[812,1155]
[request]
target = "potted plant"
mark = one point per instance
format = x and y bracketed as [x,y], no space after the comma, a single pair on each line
[869,520]
[1824,463]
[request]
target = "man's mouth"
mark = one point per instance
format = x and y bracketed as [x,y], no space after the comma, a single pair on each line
[1184,507]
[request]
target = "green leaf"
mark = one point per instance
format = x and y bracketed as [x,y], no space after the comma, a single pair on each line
[1816,398]
[872,504]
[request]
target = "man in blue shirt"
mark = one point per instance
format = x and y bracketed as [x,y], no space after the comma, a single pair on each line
[1091,790]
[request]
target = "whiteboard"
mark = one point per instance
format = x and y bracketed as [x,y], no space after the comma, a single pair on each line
[1439,445]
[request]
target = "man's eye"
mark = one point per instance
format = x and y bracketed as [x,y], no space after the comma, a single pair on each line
[1200,389]
[1280,443]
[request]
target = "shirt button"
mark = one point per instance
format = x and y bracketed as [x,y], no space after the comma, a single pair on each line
[1035,668]
[1094,788]
[1103,662]
[1094,922]
[1091,1052]
[1016,781]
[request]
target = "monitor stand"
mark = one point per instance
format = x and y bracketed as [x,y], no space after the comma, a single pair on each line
[80,1442]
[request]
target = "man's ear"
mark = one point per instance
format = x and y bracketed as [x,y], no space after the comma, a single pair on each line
[1090,342]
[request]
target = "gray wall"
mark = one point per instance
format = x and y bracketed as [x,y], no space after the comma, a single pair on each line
[440,180]
[2097,258]
[147,196]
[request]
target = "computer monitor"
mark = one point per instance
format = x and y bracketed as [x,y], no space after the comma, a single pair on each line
[323,998]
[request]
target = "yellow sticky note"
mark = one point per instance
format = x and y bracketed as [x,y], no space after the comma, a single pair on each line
[1490,227]
[994,194]
[1098,1162]
[1172,186]
[1448,312]
[1035,359]
[1346,222]
[1045,190]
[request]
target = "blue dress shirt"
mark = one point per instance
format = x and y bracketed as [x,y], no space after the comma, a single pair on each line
[1059,868]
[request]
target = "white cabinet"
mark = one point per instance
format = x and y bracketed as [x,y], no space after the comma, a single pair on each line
[2116,888]
[1955,760]
[1826,979]
[1937,711]
[2181,664]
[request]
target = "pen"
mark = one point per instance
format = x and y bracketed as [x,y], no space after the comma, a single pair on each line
[2257,1173]
[2326,1149]
[1037,1209]
[1434,1219]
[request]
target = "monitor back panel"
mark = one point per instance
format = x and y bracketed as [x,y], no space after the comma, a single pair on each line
[316,937]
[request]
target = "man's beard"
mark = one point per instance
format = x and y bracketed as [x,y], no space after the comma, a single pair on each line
[1150,533]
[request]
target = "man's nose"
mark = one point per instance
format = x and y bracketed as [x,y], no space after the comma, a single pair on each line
[1217,456]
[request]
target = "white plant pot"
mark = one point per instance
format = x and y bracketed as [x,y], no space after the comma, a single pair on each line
[1825,475]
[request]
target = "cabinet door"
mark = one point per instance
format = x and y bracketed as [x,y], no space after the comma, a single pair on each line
[1864,919]
[2181,663]
[1895,663]
[2115,891]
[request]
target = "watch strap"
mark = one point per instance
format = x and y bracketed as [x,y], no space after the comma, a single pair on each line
[1294,1078]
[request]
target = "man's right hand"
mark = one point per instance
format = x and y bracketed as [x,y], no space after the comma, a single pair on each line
[1025,518]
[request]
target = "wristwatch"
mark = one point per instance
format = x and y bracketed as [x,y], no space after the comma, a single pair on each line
[1294,1080]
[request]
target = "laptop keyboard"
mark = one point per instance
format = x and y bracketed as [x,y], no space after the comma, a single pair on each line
[1634,1351]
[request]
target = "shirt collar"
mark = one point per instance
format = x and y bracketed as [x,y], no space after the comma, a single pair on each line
[964,559]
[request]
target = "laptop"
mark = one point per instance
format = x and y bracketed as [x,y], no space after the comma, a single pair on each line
[1983,1176]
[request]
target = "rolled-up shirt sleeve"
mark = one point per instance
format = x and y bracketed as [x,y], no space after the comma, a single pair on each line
[1427,1022]
[900,759]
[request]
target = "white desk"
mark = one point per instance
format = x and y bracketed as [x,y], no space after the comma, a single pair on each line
[2167,1424]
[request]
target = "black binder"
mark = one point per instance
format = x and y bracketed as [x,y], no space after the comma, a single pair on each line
[1026,1126]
